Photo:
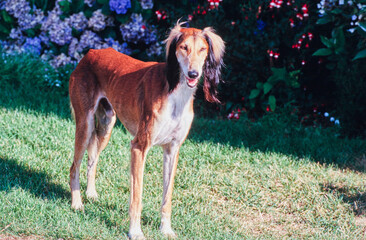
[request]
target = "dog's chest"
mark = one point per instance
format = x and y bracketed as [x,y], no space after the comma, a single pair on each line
[175,119]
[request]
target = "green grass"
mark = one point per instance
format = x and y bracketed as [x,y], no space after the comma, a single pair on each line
[270,179]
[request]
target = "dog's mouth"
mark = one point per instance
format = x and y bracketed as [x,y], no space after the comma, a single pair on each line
[192,82]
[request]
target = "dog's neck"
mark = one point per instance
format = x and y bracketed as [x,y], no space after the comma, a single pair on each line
[181,96]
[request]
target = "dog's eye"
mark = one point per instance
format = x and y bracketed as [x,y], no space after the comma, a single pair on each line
[203,49]
[185,48]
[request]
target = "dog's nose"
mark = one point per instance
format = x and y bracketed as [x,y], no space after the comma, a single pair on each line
[193,74]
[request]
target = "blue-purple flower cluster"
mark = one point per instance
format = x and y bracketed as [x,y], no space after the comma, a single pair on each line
[137,31]
[147,4]
[73,35]
[120,6]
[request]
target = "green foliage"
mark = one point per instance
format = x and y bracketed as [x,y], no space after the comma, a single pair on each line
[335,44]
[345,53]
[29,72]
[6,23]
[251,29]
[280,78]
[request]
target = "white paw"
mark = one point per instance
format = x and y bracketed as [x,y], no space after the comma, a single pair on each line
[136,235]
[93,195]
[77,205]
[167,232]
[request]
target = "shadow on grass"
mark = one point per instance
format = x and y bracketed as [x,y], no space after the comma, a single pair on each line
[34,99]
[38,183]
[355,199]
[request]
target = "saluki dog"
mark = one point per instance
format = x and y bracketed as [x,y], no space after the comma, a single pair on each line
[154,101]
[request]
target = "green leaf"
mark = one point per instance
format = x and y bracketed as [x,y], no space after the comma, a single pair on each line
[6,16]
[4,29]
[103,2]
[339,38]
[136,6]
[278,74]
[122,18]
[106,10]
[109,33]
[65,6]
[325,19]
[326,41]
[267,87]
[362,25]
[254,93]
[360,54]
[77,5]
[336,11]
[272,102]
[259,85]
[30,32]
[88,13]
[44,7]
[228,105]
[323,52]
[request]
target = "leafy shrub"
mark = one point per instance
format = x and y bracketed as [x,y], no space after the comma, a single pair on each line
[62,31]
[261,37]
[344,48]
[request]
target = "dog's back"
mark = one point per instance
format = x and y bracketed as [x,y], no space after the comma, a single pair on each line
[123,81]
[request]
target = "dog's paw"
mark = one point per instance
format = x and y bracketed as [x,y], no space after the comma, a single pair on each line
[136,235]
[77,205]
[168,232]
[92,195]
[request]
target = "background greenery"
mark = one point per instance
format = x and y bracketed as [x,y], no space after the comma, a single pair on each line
[320,47]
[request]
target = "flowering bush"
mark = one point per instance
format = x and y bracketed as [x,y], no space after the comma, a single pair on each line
[62,33]
[343,53]
[268,44]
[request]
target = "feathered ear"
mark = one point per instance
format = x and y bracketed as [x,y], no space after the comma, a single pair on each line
[172,65]
[214,62]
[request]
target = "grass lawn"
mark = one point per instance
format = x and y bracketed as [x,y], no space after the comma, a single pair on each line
[270,179]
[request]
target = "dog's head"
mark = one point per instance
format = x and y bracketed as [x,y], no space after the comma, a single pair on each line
[191,53]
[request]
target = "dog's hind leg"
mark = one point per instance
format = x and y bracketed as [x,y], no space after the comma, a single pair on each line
[105,120]
[171,152]
[83,132]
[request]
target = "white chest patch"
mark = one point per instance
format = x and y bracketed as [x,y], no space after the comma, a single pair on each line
[175,119]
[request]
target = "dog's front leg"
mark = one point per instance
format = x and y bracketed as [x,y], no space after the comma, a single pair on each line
[139,150]
[171,152]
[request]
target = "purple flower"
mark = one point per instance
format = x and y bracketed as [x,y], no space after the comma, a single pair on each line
[147,4]
[123,48]
[119,6]
[155,50]
[60,33]
[33,45]
[28,21]
[137,31]
[77,21]
[90,3]
[89,39]
[61,60]
[17,8]
[98,21]
[16,33]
